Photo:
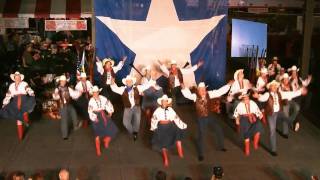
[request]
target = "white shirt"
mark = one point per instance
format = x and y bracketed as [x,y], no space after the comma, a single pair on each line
[80,86]
[165,70]
[74,94]
[115,68]
[212,94]
[288,95]
[120,90]
[22,89]
[102,103]
[235,87]
[242,110]
[161,114]
[261,84]
[295,83]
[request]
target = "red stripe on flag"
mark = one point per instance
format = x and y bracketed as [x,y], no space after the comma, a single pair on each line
[11,8]
[73,9]
[43,8]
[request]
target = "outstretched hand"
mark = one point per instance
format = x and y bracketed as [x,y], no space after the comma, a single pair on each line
[200,63]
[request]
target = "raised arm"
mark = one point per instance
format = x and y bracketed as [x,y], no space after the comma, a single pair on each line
[187,94]
[115,88]
[219,92]
[164,69]
[291,94]
[99,67]
[263,97]
[74,94]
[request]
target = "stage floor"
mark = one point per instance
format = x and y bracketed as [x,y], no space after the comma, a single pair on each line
[44,150]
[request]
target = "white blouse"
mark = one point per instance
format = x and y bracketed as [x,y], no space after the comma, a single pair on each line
[102,103]
[235,87]
[261,84]
[168,114]
[74,94]
[22,89]
[165,70]
[242,110]
[115,68]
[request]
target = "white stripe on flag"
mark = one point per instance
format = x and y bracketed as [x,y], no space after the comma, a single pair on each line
[2,3]
[27,8]
[58,9]
[85,9]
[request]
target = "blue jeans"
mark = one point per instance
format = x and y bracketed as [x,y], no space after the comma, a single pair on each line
[131,119]
[203,122]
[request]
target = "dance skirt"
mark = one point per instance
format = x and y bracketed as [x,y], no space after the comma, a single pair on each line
[248,128]
[166,135]
[17,106]
[105,126]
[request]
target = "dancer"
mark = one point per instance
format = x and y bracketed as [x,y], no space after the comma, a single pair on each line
[168,129]
[64,94]
[18,103]
[205,117]
[100,111]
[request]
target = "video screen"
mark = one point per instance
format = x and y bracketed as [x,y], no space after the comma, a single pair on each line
[247,38]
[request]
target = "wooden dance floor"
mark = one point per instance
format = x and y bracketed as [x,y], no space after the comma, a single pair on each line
[44,150]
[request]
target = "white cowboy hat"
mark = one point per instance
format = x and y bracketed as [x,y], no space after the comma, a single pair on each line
[164,98]
[129,77]
[235,75]
[275,58]
[105,60]
[202,85]
[62,78]
[294,68]
[173,62]
[95,89]
[274,82]
[146,68]
[83,75]
[264,71]
[16,74]
[284,76]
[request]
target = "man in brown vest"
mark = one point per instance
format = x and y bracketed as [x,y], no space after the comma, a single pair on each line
[175,77]
[274,108]
[131,98]
[202,104]
[108,72]
[63,94]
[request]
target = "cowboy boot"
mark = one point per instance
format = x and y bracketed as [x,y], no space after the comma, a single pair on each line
[85,123]
[20,130]
[98,150]
[26,119]
[106,141]
[180,149]
[165,157]
[256,139]
[247,147]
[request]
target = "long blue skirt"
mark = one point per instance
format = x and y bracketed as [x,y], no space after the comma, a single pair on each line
[166,135]
[11,110]
[105,126]
[247,129]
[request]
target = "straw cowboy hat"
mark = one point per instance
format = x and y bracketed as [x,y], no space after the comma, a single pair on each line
[235,75]
[105,60]
[164,98]
[293,68]
[62,78]
[129,77]
[274,82]
[95,89]
[16,74]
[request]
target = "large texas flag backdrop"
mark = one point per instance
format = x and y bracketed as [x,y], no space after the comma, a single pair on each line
[150,30]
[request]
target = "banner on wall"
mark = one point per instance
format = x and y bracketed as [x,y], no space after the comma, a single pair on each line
[14,23]
[65,25]
[150,30]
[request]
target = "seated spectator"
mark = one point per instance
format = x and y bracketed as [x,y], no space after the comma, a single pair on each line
[18,175]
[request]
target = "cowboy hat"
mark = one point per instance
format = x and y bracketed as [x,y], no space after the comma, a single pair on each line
[164,98]
[83,75]
[105,60]
[146,68]
[95,89]
[173,62]
[129,77]
[275,58]
[62,78]
[264,71]
[235,75]
[202,85]
[284,76]
[16,74]
[274,82]
[294,68]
